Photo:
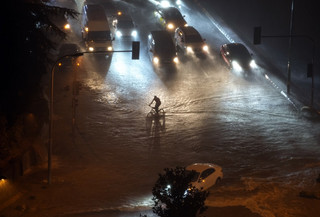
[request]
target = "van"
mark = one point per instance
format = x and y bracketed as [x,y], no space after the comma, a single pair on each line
[95,29]
[161,48]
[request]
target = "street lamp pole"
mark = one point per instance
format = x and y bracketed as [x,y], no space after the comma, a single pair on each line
[51,113]
[135,55]
[289,50]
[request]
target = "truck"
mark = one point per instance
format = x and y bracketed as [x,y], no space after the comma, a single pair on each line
[95,29]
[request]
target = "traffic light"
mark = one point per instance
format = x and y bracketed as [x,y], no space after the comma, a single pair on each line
[135,50]
[257,35]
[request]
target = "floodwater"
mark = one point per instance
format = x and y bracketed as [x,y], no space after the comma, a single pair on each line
[108,154]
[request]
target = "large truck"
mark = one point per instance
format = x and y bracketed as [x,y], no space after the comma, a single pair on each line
[95,29]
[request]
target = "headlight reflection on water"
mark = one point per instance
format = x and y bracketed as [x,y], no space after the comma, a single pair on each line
[144,203]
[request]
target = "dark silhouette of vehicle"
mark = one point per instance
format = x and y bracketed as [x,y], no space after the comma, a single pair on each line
[237,57]
[161,48]
[170,18]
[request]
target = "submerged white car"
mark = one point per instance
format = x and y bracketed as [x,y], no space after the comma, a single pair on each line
[206,176]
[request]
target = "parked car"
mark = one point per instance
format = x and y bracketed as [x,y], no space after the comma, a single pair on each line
[237,57]
[189,41]
[170,18]
[207,175]
[161,48]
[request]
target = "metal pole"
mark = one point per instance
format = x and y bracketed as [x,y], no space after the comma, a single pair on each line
[51,114]
[51,105]
[312,76]
[289,50]
[51,125]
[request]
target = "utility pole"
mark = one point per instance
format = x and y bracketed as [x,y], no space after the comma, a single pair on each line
[289,50]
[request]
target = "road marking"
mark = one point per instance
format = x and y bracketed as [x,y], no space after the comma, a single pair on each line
[214,22]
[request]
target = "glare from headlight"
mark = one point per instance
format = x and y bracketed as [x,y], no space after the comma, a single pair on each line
[205,48]
[189,49]
[253,64]
[175,60]
[155,60]
[178,2]
[109,48]
[134,33]
[67,26]
[91,49]
[118,33]
[170,26]
[236,66]
[165,4]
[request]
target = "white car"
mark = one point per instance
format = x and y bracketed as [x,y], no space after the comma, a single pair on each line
[207,175]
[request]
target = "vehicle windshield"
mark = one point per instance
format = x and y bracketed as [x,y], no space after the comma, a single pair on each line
[193,38]
[172,14]
[165,49]
[125,24]
[239,51]
[99,35]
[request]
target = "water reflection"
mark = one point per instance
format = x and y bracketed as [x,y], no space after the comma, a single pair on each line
[155,126]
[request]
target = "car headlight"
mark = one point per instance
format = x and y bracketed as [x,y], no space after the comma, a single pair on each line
[109,48]
[170,26]
[205,48]
[118,33]
[155,60]
[91,49]
[189,49]
[175,60]
[236,66]
[253,64]
[165,4]
[67,26]
[134,33]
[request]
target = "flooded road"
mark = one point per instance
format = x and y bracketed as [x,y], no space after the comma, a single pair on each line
[112,153]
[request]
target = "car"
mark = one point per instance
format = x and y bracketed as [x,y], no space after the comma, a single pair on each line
[189,41]
[170,18]
[207,175]
[161,48]
[169,3]
[237,57]
[124,26]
